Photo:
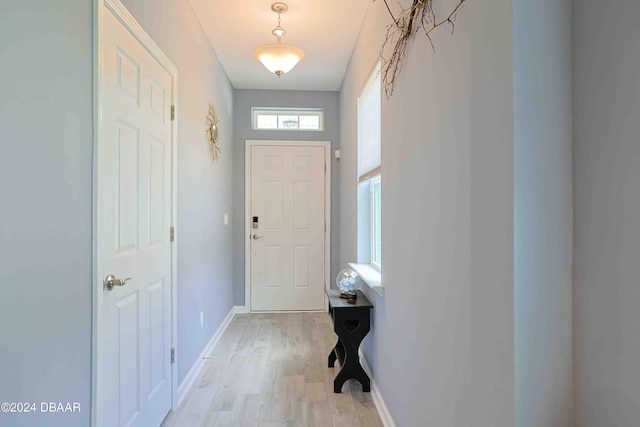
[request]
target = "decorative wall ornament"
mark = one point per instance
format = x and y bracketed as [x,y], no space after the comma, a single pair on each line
[420,16]
[213,133]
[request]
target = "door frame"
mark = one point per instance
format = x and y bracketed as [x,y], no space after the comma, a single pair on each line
[124,16]
[249,143]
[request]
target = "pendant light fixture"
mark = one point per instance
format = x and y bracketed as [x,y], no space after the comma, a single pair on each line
[279,58]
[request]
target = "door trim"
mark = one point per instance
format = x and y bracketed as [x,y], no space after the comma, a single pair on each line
[247,213]
[100,7]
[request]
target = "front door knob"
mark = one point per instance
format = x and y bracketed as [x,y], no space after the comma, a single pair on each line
[256,237]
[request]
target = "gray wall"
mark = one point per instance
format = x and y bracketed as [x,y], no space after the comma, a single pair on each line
[204,188]
[606,157]
[543,212]
[441,346]
[46,185]
[45,219]
[244,101]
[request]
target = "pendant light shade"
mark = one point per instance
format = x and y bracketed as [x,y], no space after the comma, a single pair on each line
[279,58]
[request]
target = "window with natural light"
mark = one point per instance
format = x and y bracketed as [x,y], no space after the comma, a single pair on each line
[369,265]
[376,223]
[311,119]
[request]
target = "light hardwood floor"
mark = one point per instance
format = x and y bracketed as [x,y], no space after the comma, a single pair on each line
[270,370]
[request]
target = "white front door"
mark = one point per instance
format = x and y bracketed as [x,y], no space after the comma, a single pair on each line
[134,158]
[287,227]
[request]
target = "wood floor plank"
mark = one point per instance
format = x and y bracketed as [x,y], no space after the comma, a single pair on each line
[316,403]
[270,370]
[365,407]
[229,384]
[216,364]
[341,405]
[270,399]
[217,419]
[193,410]
[276,424]
[249,336]
[292,395]
[245,410]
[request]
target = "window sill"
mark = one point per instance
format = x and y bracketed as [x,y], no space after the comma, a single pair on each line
[370,276]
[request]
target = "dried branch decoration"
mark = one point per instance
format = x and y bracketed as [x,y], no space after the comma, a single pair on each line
[421,16]
[212,133]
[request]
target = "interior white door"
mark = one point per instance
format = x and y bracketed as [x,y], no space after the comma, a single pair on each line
[133,221]
[287,246]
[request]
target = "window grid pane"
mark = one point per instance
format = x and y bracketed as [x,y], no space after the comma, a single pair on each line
[306,119]
[377,223]
[287,122]
[310,122]
[265,121]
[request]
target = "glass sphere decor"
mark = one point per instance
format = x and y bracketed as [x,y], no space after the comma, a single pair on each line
[346,281]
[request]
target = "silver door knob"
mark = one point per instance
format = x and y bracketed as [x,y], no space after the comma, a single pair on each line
[256,237]
[111,281]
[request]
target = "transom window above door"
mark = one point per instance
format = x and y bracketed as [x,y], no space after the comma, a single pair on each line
[299,119]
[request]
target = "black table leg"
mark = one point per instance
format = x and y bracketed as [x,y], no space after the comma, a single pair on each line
[351,326]
[351,370]
[333,355]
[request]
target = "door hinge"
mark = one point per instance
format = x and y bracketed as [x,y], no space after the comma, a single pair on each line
[172,234]
[173,112]
[325,168]
[325,227]
[173,356]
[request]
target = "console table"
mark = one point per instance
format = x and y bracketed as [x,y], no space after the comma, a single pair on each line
[351,322]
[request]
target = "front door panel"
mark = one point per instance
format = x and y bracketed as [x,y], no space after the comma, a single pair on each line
[287,255]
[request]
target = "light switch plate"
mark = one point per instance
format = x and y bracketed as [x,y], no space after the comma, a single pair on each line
[226,219]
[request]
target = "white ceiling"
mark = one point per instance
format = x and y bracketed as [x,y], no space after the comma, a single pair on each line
[325,29]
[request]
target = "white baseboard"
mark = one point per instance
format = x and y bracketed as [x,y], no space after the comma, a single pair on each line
[190,378]
[378,400]
[240,309]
